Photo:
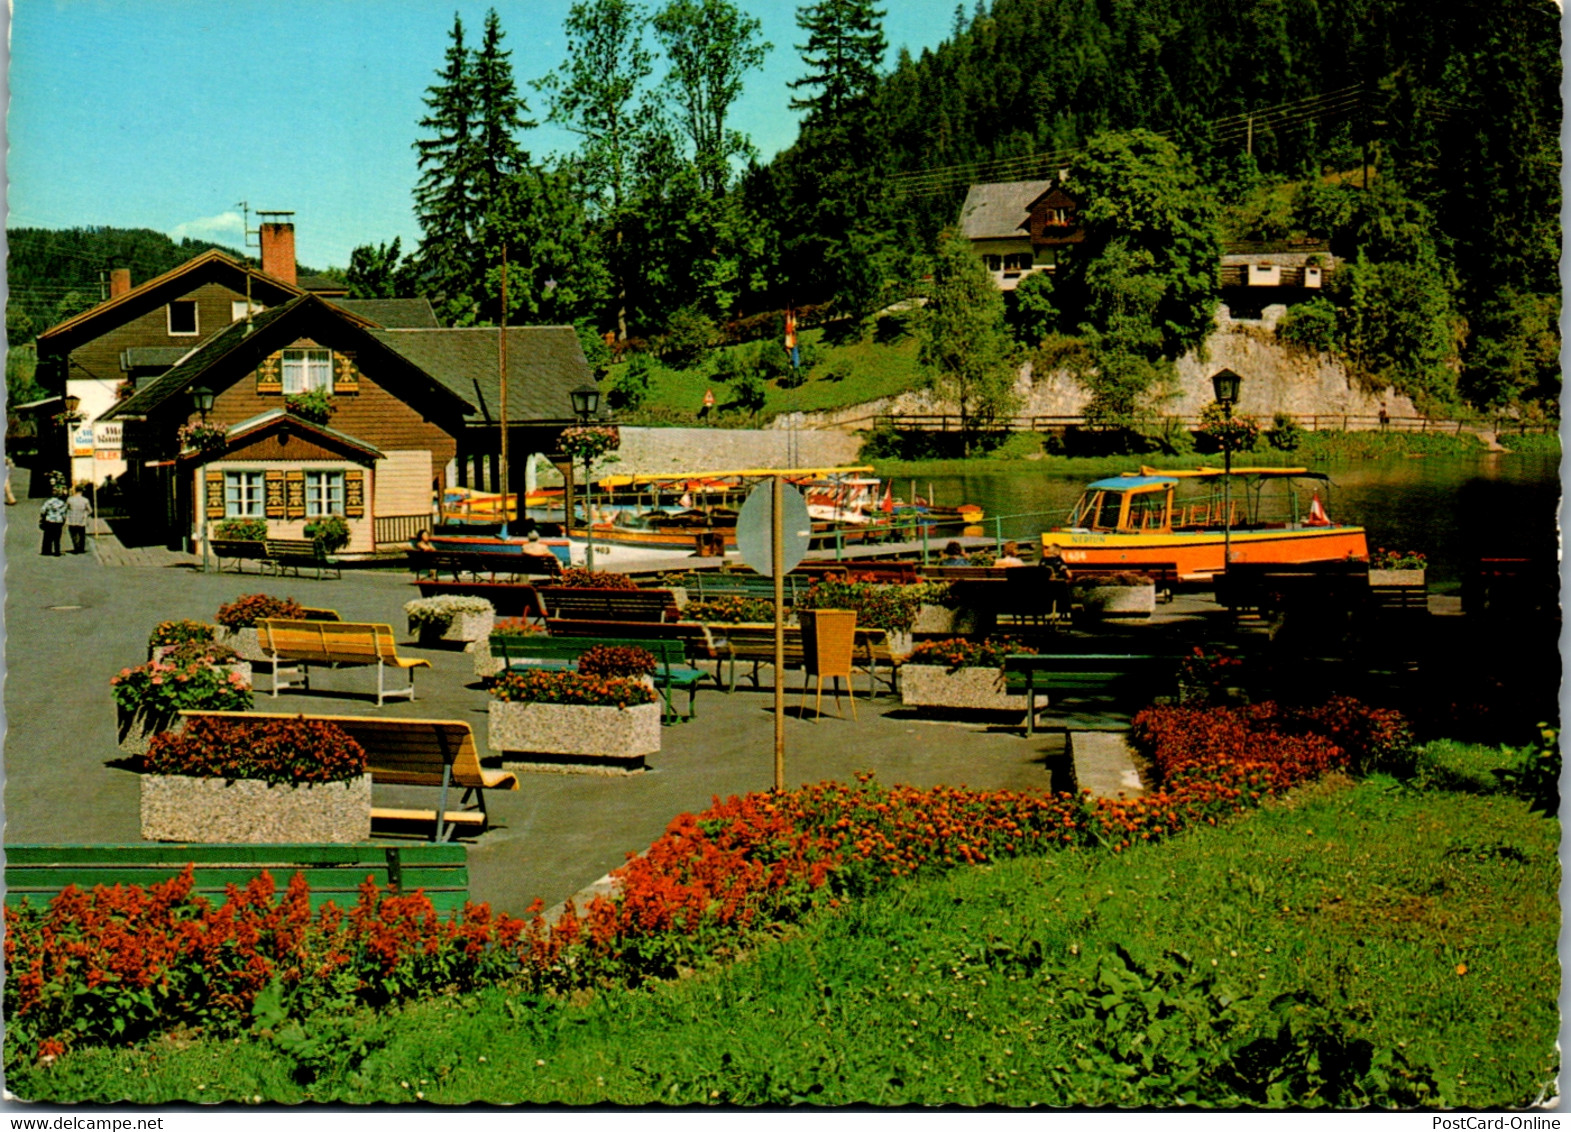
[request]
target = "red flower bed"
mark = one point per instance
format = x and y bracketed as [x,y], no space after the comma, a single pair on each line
[272,750]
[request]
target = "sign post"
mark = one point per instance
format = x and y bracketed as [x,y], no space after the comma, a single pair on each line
[772,532]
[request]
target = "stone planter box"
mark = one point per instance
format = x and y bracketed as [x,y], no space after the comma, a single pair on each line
[133,730]
[243,641]
[462,629]
[973,689]
[486,665]
[1117,601]
[1396,577]
[941,621]
[557,736]
[179,808]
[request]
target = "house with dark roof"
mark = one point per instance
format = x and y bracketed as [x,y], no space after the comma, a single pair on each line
[415,410]
[1020,227]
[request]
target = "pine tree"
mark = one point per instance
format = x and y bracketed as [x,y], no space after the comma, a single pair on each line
[445,198]
[844,49]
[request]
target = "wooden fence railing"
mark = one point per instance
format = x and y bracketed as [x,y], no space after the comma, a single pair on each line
[1313,422]
[390,529]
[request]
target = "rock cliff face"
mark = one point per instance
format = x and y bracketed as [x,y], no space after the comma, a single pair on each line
[1276,379]
[652,451]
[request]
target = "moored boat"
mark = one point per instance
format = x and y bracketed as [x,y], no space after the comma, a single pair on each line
[1192,518]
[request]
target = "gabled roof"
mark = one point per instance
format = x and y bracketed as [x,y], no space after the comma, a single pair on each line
[1000,211]
[263,423]
[544,365]
[151,357]
[210,266]
[238,349]
[394,314]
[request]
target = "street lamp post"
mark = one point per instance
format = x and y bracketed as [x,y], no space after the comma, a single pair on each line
[586,402]
[1225,384]
[202,399]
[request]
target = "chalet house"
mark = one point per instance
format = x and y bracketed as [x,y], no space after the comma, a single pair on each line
[139,332]
[1024,226]
[416,409]
[1019,227]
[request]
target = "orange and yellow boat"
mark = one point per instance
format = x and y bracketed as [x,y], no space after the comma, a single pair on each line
[1191,518]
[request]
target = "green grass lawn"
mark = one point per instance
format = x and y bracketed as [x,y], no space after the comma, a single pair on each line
[1408,935]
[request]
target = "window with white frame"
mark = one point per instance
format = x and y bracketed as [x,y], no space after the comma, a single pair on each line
[243,495]
[237,309]
[324,493]
[305,370]
[182,318]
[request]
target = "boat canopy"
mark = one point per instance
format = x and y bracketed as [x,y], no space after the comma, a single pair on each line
[1205,472]
[744,473]
[1131,482]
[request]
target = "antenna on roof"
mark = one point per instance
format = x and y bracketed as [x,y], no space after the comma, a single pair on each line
[245,242]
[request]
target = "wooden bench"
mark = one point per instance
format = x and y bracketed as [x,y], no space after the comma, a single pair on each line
[574,604]
[671,672]
[703,585]
[36,873]
[509,599]
[1080,674]
[293,553]
[239,551]
[754,642]
[1324,589]
[334,644]
[1164,574]
[457,563]
[1019,595]
[436,753]
[694,635]
[966,573]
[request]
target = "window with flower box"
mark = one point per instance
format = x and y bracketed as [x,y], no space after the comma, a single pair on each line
[305,370]
[243,495]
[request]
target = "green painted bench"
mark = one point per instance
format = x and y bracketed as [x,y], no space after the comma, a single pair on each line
[672,672]
[1076,675]
[335,872]
[702,585]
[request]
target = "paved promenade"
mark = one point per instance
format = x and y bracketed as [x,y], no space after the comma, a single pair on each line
[73,622]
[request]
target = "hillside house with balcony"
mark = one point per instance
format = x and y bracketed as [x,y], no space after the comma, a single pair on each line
[1020,227]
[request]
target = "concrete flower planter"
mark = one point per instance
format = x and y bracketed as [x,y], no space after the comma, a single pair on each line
[134,730]
[486,665]
[1117,601]
[464,628]
[563,736]
[179,808]
[243,641]
[1413,578]
[974,689]
[942,621]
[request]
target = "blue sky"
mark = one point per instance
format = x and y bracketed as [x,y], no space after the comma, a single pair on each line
[165,114]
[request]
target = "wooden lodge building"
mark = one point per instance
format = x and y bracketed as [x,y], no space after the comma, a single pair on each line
[415,406]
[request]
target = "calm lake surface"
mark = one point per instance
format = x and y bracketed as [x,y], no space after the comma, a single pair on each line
[1452,509]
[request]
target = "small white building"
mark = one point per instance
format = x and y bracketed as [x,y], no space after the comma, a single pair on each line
[1020,227]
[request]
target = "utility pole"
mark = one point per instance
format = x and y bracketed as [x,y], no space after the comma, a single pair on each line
[501,369]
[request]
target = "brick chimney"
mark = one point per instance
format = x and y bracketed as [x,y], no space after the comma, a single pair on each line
[119,282]
[278,251]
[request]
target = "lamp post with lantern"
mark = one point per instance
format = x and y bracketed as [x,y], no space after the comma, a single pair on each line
[202,401]
[1225,384]
[586,403]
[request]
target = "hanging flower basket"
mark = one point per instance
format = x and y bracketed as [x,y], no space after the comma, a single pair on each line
[590,442]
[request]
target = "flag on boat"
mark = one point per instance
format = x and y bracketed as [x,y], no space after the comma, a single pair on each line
[888,506]
[1317,513]
[790,338]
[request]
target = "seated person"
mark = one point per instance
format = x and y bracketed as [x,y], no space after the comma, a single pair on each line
[422,542]
[1010,556]
[954,555]
[534,548]
[1053,565]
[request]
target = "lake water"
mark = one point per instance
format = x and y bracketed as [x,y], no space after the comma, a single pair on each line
[1452,509]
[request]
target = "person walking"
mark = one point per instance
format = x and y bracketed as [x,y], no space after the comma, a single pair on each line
[10,496]
[51,520]
[77,511]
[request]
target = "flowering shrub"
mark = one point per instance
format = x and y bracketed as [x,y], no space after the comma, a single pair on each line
[1203,676]
[553,687]
[1384,559]
[161,688]
[245,612]
[249,530]
[1118,578]
[203,437]
[332,531]
[516,627]
[957,652]
[617,660]
[877,607]
[1220,429]
[272,750]
[438,612]
[178,633]
[590,442]
[580,579]
[116,965]
[210,652]
[730,610]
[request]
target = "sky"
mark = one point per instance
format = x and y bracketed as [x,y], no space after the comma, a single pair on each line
[166,114]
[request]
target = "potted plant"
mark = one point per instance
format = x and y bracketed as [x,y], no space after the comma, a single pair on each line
[449,617]
[562,720]
[149,697]
[241,530]
[331,532]
[237,621]
[959,674]
[166,635]
[1397,567]
[256,780]
[1116,595]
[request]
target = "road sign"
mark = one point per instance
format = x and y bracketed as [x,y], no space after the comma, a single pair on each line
[754,529]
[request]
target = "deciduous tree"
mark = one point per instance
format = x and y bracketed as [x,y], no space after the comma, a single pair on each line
[965,346]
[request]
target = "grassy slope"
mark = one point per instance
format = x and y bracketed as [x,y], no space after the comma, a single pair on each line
[1374,898]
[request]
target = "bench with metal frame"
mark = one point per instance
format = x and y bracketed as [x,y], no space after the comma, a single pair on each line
[299,645]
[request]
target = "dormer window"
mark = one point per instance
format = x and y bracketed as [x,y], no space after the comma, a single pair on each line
[182,319]
[305,370]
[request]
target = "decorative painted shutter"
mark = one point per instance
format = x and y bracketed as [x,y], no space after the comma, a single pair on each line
[215,495]
[294,494]
[274,483]
[346,375]
[354,494]
[270,374]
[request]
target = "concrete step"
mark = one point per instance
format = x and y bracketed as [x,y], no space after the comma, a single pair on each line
[1104,764]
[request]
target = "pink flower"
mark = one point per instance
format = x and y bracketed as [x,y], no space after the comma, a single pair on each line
[157,680]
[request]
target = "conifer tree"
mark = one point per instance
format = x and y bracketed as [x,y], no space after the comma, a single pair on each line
[445,200]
